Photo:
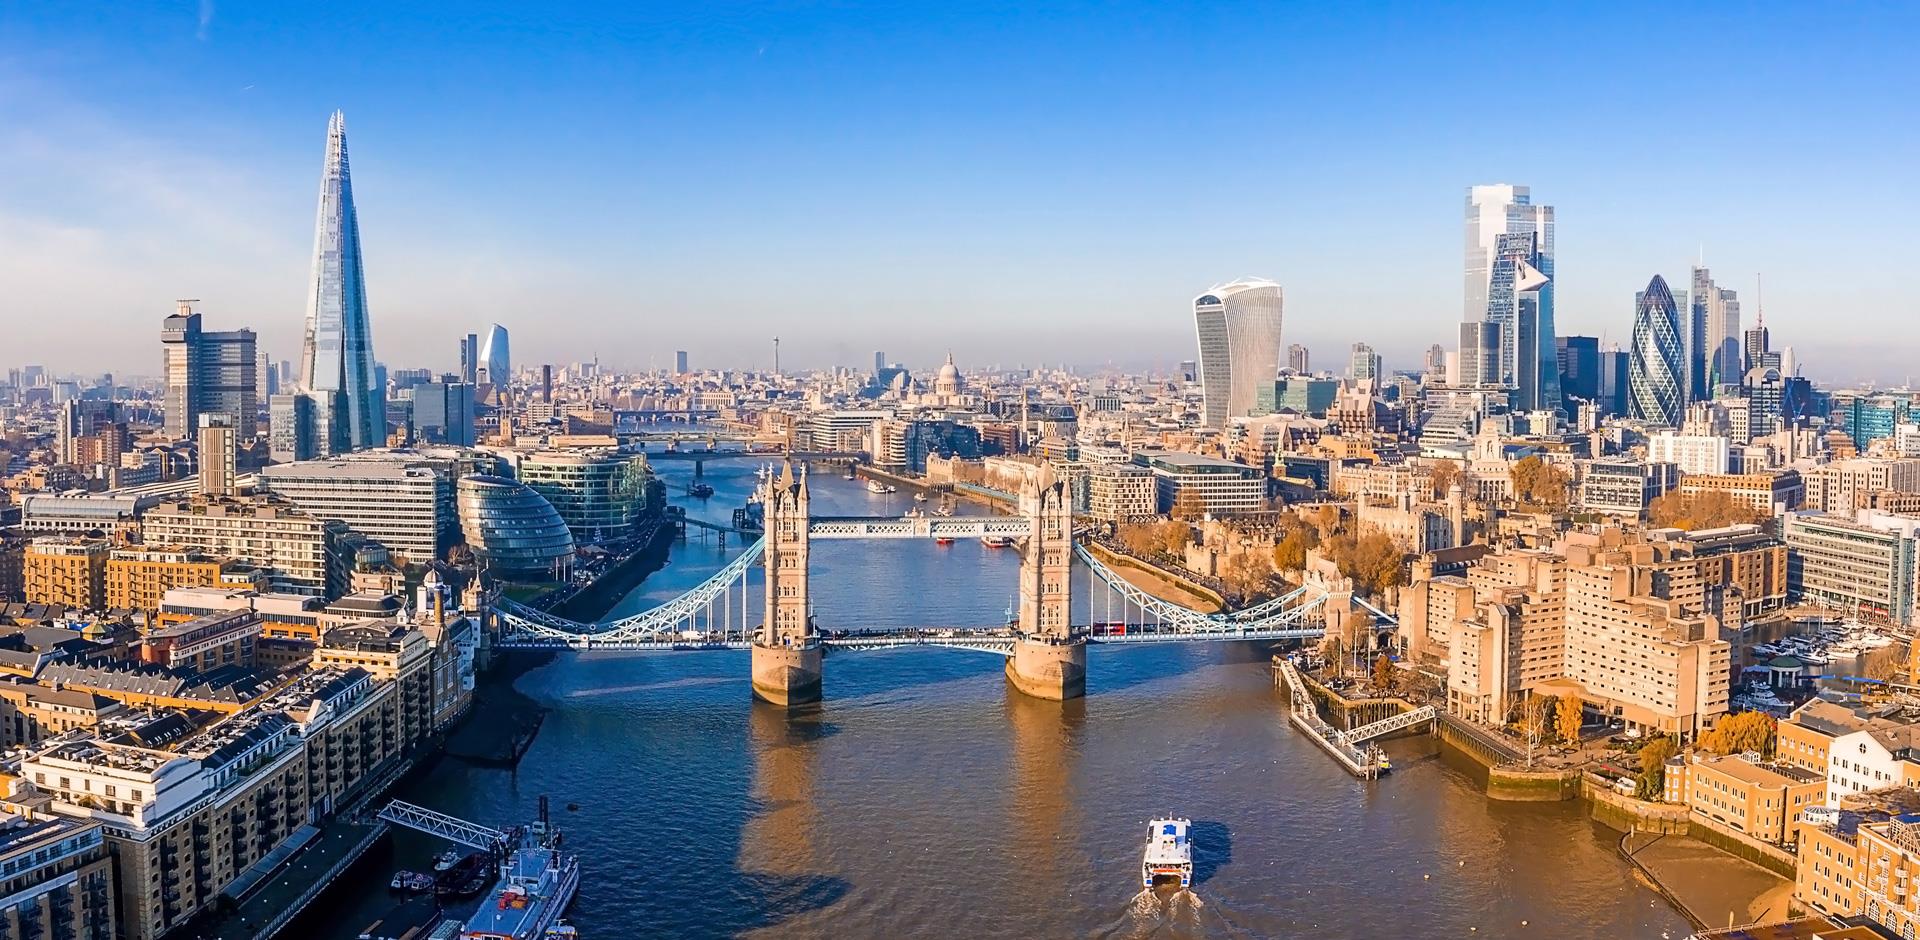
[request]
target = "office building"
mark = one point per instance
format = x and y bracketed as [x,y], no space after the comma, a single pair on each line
[512,530]
[1766,492]
[1845,485]
[496,359]
[207,372]
[1862,563]
[1579,367]
[879,362]
[599,493]
[1519,303]
[1624,487]
[1238,326]
[58,569]
[1755,351]
[1299,360]
[336,355]
[406,507]
[301,554]
[443,413]
[60,873]
[1692,453]
[680,362]
[1196,484]
[1656,368]
[1297,393]
[470,358]
[1478,361]
[1714,354]
[1364,364]
[293,432]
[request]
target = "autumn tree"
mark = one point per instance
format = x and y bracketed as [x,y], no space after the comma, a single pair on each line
[1538,484]
[1371,560]
[1444,474]
[1710,509]
[1139,539]
[1174,536]
[1327,520]
[1188,506]
[1291,553]
[1885,663]
[1653,767]
[1534,721]
[1248,574]
[1736,734]
[1383,672]
[1567,718]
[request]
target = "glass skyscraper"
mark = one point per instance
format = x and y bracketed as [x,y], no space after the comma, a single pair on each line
[1656,365]
[336,359]
[1521,303]
[1238,326]
[496,359]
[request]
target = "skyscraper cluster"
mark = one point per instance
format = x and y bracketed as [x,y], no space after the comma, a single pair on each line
[1507,332]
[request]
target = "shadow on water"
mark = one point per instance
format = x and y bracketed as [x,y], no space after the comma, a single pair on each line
[1212,848]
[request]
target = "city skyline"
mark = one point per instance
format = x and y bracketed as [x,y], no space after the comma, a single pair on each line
[612,232]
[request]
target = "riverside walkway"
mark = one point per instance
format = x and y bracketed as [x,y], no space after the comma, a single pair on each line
[1357,760]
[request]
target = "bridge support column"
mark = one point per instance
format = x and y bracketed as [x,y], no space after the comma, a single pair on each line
[787,676]
[1050,670]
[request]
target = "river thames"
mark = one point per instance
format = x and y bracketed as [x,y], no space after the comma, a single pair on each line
[927,799]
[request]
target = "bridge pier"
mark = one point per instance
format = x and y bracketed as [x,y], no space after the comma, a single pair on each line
[1049,669]
[787,676]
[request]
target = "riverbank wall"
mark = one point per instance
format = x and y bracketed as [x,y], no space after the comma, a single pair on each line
[1193,589]
[592,602]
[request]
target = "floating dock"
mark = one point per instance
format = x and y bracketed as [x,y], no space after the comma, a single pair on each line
[1358,761]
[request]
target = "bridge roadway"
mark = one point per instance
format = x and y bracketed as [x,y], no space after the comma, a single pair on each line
[997,640]
[894,527]
[705,455]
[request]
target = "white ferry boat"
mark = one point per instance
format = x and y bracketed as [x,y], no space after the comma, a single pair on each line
[996,541]
[878,488]
[1169,854]
[537,882]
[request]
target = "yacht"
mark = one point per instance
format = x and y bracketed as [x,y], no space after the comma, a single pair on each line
[919,497]
[1169,854]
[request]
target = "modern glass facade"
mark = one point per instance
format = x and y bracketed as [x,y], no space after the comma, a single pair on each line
[600,494]
[1493,213]
[337,355]
[512,530]
[1655,364]
[496,358]
[1238,326]
[1520,306]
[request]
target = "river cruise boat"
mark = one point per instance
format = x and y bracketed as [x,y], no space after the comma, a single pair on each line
[996,541]
[538,880]
[1169,855]
[878,488]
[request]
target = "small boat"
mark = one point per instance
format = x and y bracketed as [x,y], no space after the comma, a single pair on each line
[996,541]
[919,497]
[878,488]
[944,512]
[849,476]
[1383,765]
[562,932]
[699,491]
[468,877]
[410,881]
[1169,854]
[943,540]
[446,860]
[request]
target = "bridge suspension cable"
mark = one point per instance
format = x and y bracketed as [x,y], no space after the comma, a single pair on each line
[683,621]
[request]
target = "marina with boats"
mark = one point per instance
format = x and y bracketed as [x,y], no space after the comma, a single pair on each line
[524,876]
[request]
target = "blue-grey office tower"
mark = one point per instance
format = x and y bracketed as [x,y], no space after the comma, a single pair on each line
[336,360]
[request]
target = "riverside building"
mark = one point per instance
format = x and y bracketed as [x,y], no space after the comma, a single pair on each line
[301,554]
[406,507]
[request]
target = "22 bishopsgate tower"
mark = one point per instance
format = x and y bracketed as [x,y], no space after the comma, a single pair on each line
[1509,339]
[336,360]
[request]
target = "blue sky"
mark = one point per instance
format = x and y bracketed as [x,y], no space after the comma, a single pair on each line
[1018,184]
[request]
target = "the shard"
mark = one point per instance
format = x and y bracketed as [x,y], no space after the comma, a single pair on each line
[336,361]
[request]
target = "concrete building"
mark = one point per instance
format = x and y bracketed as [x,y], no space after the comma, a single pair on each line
[1640,645]
[1121,492]
[407,507]
[63,570]
[1624,487]
[59,877]
[1845,485]
[302,554]
[208,373]
[1692,453]
[1768,493]
[1863,564]
[219,447]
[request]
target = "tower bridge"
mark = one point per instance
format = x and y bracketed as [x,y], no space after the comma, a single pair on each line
[1045,652]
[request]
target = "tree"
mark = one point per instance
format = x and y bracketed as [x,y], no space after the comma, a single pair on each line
[1885,663]
[1174,535]
[1534,721]
[1653,767]
[1139,539]
[1736,734]
[1327,520]
[1567,718]
[1445,473]
[1188,505]
[1538,484]
[1291,553]
[1371,560]
[1383,672]
[1711,509]
[1249,574]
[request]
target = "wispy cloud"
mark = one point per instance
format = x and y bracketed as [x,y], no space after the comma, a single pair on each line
[206,20]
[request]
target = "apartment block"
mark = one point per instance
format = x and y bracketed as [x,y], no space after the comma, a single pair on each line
[58,878]
[137,578]
[1751,797]
[1846,485]
[301,553]
[62,570]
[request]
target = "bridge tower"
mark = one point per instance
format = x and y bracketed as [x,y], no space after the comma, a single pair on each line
[1049,661]
[786,653]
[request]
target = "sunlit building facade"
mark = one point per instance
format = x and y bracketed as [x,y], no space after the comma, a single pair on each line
[337,354]
[1655,365]
[513,530]
[1238,326]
